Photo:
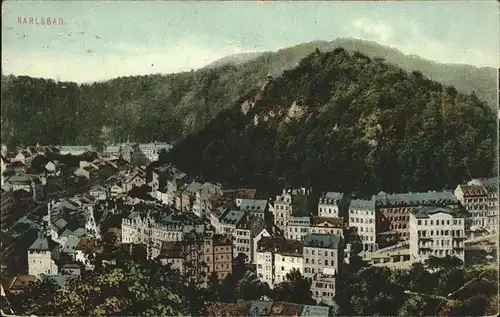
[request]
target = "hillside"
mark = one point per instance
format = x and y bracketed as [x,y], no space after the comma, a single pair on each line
[170,107]
[342,121]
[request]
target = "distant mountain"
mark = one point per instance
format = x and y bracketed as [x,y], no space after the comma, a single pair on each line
[342,121]
[234,60]
[171,107]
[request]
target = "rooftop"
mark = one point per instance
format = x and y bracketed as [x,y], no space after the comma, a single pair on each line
[473,190]
[427,211]
[327,222]
[331,198]
[326,241]
[415,199]
[253,205]
[362,204]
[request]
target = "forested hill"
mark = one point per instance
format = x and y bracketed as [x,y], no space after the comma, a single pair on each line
[170,107]
[342,121]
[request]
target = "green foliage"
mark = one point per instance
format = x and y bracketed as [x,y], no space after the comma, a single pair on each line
[170,107]
[296,289]
[129,289]
[417,292]
[365,126]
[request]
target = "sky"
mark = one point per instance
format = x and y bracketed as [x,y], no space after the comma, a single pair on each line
[102,40]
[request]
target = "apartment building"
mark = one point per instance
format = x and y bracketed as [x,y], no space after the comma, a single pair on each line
[322,251]
[323,255]
[276,257]
[199,256]
[298,227]
[328,205]
[257,207]
[491,186]
[153,228]
[436,231]
[291,203]
[476,201]
[224,220]
[247,228]
[362,217]
[394,209]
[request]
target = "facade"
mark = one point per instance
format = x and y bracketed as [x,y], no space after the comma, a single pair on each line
[40,258]
[475,200]
[298,227]
[134,180]
[247,228]
[224,220]
[258,237]
[491,186]
[394,209]
[329,204]
[98,192]
[436,231]
[154,229]
[276,257]
[291,203]
[152,150]
[206,191]
[322,251]
[257,207]
[362,217]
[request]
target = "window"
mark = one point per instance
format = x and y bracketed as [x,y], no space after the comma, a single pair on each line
[420,222]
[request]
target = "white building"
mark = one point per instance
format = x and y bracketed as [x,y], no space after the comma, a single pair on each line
[205,191]
[298,227]
[328,205]
[475,200]
[491,187]
[74,149]
[436,231]
[258,237]
[3,166]
[98,192]
[154,229]
[362,217]
[276,257]
[290,203]
[247,228]
[152,150]
[40,260]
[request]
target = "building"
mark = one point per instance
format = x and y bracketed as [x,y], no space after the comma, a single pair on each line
[188,197]
[291,203]
[202,196]
[276,257]
[27,183]
[247,228]
[258,237]
[218,255]
[152,150]
[329,203]
[298,227]
[322,251]
[3,167]
[200,256]
[98,192]
[436,231]
[40,257]
[393,210]
[474,198]
[154,228]
[491,187]
[224,220]
[133,180]
[74,149]
[362,217]
[323,255]
[257,207]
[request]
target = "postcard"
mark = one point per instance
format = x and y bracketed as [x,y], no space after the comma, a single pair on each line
[250,158]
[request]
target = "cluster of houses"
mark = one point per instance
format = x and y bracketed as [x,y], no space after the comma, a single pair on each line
[202,229]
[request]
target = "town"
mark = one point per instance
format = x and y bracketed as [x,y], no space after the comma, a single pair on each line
[63,207]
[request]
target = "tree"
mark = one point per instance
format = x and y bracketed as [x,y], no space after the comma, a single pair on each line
[37,299]
[296,289]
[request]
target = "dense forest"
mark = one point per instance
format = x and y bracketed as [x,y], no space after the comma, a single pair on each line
[170,107]
[342,121]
